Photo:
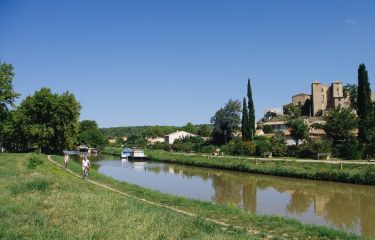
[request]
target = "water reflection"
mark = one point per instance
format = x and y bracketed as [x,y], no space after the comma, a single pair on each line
[343,206]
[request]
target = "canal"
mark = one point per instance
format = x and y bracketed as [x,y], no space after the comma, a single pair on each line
[342,206]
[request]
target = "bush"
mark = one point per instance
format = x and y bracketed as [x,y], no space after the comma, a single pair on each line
[236,146]
[262,146]
[279,149]
[350,150]
[249,148]
[34,161]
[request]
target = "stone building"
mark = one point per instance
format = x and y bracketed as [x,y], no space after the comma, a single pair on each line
[322,98]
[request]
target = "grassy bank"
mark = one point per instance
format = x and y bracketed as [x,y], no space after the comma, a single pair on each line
[49,203]
[350,173]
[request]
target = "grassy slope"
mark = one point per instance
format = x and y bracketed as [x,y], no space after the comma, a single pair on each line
[49,203]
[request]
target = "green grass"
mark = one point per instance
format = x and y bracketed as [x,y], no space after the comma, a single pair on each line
[49,203]
[351,173]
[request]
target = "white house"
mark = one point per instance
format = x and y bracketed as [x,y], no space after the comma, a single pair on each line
[170,138]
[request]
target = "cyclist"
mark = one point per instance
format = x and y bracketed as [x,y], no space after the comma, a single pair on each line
[85,166]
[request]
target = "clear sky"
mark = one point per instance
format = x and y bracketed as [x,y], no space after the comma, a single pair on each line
[172,62]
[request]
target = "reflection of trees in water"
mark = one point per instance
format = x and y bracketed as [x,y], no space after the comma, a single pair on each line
[367,215]
[226,190]
[342,205]
[299,202]
[342,210]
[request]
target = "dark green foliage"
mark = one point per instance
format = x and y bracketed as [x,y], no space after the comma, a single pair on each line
[236,147]
[190,128]
[267,129]
[365,106]
[251,108]
[46,121]
[7,97]
[245,127]
[204,130]
[351,90]
[278,147]
[262,146]
[226,121]
[350,149]
[299,130]
[311,149]
[34,161]
[339,127]
[90,134]
[340,124]
[291,110]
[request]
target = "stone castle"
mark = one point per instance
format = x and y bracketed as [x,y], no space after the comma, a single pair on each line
[322,98]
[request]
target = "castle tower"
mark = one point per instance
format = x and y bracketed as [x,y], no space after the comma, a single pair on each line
[337,94]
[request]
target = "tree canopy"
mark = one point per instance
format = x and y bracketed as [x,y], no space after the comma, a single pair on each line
[226,121]
[299,130]
[46,121]
[90,134]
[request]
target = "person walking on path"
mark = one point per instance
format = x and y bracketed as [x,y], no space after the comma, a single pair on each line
[66,160]
[85,165]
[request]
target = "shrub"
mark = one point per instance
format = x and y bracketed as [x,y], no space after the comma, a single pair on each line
[262,146]
[350,150]
[249,148]
[34,161]
[236,146]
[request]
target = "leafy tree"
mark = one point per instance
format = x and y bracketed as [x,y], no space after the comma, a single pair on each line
[251,109]
[351,90]
[49,121]
[90,134]
[299,130]
[245,127]
[291,110]
[190,128]
[365,106]
[204,130]
[226,120]
[340,124]
[340,127]
[7,96]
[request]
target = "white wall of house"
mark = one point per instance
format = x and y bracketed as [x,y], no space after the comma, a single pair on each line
[170,138]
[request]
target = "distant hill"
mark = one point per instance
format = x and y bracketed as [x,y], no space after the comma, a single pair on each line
[145,130]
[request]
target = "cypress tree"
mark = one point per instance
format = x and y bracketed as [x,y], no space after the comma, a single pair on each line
[251,109]
[245,128]
[364,104]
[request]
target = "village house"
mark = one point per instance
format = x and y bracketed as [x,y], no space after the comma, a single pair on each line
[170,138]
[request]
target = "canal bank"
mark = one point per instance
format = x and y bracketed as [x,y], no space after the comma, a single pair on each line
[260,226]
[343,172]
[342,206]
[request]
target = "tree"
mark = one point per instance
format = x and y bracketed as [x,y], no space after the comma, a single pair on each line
[351,90]
[189,127]
[7,96]
[340,124]
[245,127]
[339,127]
[226,120]
[204,130]
[49,121]
[90,134]
[251,109]
[299,130]
[365,106]
[291,110]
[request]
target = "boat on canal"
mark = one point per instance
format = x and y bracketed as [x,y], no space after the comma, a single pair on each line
[126,152]
[134,154]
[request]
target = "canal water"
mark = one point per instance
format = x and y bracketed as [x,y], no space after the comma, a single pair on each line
[347,207]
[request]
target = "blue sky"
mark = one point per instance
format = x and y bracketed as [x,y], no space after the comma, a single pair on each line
[172,62]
